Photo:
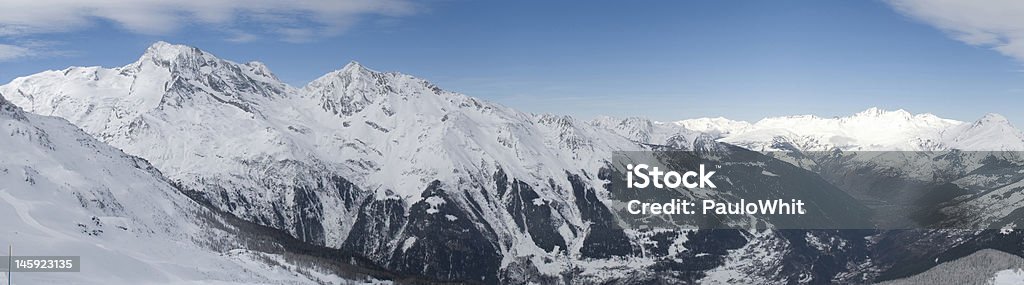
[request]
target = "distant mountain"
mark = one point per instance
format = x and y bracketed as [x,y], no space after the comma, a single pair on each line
[871,130]
[715,126]
[990,133]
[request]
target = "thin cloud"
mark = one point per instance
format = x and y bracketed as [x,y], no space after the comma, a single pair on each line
[296,35]
[994,24]
[9,52]
[22,48]
[247,19]
[241,37]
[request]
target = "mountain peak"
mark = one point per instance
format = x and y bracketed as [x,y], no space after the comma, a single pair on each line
[353,65]
[349,89]
[160,45]
[260,69]
[354,69]
[706,144]
[717,126]
[165,51]
[992,132]
[183,59]
[993,118]
[878,112]
[870,112]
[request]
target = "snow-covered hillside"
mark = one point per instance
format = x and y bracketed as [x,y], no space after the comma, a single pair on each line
[983,267]
[64,193]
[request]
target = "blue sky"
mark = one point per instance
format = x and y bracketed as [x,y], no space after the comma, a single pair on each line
[665,60]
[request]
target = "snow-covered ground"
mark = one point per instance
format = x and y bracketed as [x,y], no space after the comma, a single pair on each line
[1008,277]
[64,193]
[983,267]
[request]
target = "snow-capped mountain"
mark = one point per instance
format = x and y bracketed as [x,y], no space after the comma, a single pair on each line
[198,119]
[305,159]
[876,130]
[650,132]
[714,126]
[873,129]
[383,165]
[993,132]
[427,182]
[65,193]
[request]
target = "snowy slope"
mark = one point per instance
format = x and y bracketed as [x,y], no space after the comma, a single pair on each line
[199,120]
[982,267]
[64,193]
[993,132]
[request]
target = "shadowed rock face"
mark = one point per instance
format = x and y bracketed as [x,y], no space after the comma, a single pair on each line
[441,240]
[8,109]
[606,238]
[534,216]
[436,238]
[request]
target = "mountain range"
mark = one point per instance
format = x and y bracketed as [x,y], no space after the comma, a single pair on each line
[418,181]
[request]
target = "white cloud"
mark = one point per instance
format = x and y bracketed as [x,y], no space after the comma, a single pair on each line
[245,18]
[241,37]
[9,52]
[995,24]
